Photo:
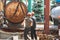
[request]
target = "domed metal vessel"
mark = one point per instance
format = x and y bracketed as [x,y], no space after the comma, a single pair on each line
[15,12]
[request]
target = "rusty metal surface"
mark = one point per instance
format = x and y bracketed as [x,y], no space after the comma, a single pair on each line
[15,14]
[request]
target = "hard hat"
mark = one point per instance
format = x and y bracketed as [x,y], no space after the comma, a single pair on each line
[32,13]
[29,14]
[57,1]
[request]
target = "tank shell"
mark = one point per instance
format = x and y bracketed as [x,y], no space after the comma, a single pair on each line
[20,13]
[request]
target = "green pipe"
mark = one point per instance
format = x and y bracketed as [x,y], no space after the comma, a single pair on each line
[29,5]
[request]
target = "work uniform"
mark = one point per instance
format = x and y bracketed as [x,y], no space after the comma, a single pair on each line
[33,31]
[27,27]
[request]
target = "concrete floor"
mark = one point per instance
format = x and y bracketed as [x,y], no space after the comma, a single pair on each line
[5,36]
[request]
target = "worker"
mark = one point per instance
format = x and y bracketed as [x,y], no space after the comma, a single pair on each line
[33,28]
[27,25]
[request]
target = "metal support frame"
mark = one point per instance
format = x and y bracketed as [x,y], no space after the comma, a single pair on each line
[46,16]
